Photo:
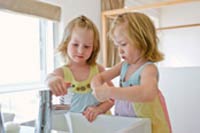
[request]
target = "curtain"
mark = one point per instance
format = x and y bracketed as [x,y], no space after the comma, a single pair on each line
[112,52]
[32,7]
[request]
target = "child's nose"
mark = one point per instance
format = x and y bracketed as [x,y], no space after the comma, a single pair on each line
[80,50]
[120,50]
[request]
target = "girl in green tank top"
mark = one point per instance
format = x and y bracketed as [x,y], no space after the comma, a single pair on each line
[79,49]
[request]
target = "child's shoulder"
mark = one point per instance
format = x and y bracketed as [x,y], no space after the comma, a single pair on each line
[100,67]
[150,65]
[61,69]
[150,68]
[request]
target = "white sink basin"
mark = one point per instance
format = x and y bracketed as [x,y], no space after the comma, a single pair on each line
[77,123]
[59,122]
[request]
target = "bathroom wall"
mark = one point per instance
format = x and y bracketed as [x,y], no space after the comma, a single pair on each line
[180,46]
[180,70]
[181,89]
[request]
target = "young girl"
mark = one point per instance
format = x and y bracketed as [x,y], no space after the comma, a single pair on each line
[79,48]
[138,95]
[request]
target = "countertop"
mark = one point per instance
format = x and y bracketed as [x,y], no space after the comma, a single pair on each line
[26,129]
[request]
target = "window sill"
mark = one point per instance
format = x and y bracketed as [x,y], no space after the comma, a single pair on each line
[22,87]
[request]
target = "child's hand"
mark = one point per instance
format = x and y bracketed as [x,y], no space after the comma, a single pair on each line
[57,85]
[91,113]
[101,93]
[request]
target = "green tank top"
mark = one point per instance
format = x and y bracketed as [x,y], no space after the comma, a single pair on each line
[80,91]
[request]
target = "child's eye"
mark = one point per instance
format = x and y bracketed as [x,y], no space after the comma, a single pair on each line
[123,44]
[86,47]
[75,44]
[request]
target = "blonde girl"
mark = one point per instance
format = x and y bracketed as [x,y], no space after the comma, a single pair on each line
[79,48]
[138,95]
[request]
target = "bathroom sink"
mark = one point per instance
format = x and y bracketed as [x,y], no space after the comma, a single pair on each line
[77,123]
[69,122]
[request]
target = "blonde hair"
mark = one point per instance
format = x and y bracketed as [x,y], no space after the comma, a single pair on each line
[82,22]
[141,31]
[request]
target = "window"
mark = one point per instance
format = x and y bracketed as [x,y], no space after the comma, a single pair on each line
[26,51]
[26,55]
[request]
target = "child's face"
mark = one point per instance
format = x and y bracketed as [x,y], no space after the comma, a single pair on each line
[127,50]
[80,46]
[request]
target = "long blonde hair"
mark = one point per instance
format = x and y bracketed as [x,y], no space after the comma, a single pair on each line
[82,22]
[141,31]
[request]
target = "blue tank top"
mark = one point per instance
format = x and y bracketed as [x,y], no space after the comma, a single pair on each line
[122,107]
[156,109]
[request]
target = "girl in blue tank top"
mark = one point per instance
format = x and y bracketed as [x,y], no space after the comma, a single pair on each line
[138,94]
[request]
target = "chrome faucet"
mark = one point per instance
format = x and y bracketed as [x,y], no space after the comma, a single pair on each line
[44,121]
[2,130]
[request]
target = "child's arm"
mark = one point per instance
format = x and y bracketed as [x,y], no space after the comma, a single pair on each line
[93,111]
[108,81]
[100,90]
[144,92]
[55,82]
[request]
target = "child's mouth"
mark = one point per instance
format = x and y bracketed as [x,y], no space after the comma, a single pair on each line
[123,57]
[80,56]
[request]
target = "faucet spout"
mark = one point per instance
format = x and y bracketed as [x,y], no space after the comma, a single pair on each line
[44,120]
[2,130]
